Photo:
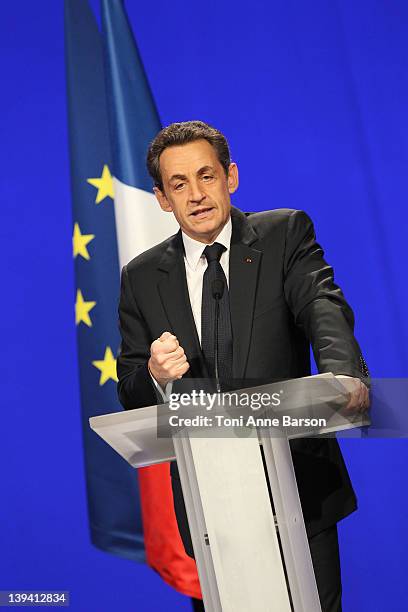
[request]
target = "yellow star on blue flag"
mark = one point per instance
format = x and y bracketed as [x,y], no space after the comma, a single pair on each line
[80,242]
[104,185]
[82,309]
[107,367]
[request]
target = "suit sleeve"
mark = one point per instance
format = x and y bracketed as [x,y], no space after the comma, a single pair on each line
[135,386]
[318,304]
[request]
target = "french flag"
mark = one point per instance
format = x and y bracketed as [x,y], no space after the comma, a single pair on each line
[140,224]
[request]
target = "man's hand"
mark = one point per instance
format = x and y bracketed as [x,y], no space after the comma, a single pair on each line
[359,400]
[167,359]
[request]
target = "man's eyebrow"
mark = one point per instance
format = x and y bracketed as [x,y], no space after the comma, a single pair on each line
[205,169]
[182,177]
[177,177]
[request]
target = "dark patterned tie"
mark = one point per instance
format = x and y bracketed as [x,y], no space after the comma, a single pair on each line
[214,272]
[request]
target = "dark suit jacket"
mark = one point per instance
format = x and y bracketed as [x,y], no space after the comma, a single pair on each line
[282,298]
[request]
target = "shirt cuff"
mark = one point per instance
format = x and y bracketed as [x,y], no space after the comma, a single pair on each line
[164,394]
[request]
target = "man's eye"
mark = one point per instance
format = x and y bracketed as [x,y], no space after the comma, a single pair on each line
[207,177]
[178,186]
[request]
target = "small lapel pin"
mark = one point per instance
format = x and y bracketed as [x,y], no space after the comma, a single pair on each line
[247,260]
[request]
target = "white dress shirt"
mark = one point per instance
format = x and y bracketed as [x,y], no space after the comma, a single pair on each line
[196,264]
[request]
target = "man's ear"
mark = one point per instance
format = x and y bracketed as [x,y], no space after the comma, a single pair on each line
[233,179]
[161,198]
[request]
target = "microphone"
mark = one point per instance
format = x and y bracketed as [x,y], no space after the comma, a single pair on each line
[217,288]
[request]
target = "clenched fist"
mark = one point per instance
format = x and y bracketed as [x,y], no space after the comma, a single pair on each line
[167,359]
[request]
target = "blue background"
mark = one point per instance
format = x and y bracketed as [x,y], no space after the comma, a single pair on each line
[313,97]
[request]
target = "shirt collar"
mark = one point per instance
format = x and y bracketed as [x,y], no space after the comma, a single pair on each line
[194,249]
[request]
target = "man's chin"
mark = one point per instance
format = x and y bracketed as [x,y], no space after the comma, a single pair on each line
[207,227]
[204,232]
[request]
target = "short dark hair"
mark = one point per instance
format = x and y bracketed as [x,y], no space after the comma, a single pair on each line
[182,133]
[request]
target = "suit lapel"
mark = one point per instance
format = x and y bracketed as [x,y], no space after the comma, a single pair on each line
[243,280]
[174,295]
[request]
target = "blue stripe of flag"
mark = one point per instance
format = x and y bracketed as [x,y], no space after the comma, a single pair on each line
[134,119]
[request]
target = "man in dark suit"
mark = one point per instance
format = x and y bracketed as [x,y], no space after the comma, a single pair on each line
[280,298]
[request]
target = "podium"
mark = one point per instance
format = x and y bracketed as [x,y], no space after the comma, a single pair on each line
[251,551]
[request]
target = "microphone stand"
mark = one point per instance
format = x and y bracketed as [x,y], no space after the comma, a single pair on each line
[217,293]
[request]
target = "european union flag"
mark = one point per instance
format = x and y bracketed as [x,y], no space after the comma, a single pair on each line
[112,487]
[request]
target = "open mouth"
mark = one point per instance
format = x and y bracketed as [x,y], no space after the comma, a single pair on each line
[200,213]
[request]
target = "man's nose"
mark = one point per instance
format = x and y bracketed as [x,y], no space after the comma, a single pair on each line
[196,192]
